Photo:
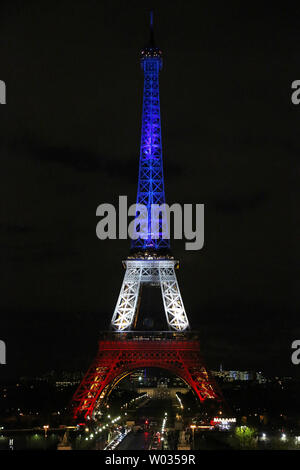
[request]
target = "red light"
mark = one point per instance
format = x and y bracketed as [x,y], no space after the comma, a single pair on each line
[141,354]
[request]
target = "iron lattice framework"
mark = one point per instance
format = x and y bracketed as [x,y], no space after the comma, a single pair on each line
[115,359]
[150,263]
[151,189]
[157,273]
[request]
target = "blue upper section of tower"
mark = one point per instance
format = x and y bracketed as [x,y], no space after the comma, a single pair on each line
[151,180]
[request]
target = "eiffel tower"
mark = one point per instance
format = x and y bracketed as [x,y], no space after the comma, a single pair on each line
[151,263]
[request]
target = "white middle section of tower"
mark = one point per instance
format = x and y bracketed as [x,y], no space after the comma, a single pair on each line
[156,273]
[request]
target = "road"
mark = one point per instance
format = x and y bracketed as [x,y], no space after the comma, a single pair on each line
[135,441]
[150,416]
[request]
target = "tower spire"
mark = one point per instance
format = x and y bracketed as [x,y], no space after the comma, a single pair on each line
[151,233]
[151,29]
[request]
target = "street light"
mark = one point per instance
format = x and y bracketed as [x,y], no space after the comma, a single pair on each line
[193,426]
[46,427]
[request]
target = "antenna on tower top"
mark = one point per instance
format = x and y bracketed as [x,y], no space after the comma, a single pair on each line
[151,18]
[151,29]
[151,50]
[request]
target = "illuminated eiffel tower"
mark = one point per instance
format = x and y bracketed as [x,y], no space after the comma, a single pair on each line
[150,262]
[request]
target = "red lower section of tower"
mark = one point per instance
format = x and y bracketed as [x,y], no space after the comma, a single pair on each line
[117,358]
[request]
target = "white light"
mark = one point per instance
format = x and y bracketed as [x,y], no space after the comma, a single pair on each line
[225,420]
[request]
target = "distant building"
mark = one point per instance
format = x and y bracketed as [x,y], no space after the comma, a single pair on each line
[239,375]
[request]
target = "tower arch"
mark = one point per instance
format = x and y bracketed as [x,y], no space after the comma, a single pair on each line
[116,359]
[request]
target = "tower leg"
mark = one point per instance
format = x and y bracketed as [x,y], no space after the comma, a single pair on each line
[125,311]
[117,358]
[174,308]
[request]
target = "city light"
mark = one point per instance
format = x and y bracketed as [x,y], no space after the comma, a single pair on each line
[164,423]
[180,402]
[46,427]
[116,440]
[224,420]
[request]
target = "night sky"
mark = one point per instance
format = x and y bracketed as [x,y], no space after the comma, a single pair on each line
[69,139]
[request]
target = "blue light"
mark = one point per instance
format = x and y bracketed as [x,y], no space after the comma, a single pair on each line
[151,180]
